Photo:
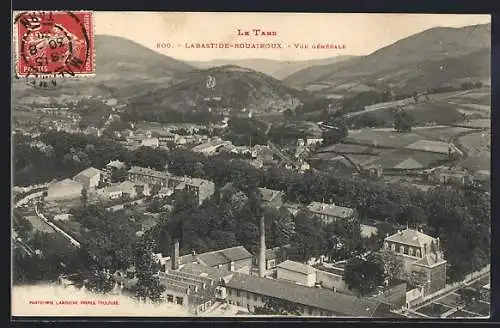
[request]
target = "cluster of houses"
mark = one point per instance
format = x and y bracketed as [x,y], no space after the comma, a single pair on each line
[139,183]
[203,282]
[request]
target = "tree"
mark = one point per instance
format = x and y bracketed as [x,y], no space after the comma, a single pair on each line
[364,275]
[155,206]
[393,265]
[416,279]
[288,113]
[332,136]
[148,283]
[84,197]
[100,281]
[184,200]
[469,295]
[274,306]
[119,175]
[402,121]
[283,227]
[308,238]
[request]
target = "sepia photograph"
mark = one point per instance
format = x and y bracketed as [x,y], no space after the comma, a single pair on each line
[243,165]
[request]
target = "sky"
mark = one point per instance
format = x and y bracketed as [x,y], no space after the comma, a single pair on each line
[360,33]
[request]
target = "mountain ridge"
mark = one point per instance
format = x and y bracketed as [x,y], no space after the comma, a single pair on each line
[278,69]
[438,43]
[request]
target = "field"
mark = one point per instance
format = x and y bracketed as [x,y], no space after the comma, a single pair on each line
[441,133]
[451,300]
[404,159]
[39,224]
[462,314]
[389,138]
[347,148]
[477,143]
[480,308]
[481,123]
[385,138]
[434,310]
[430,146]
[478,147]
[451,306]
[474,97]
[422,113]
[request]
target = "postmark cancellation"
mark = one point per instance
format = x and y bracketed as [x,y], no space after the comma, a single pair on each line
[54,44]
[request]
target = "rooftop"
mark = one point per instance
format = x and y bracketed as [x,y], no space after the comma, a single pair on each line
[203,271]
[269,195]
[272,253]
[331,210]
[340,304]
[411,237]
[66,182]
[213,143]
[197,182]
[296,267]
[88,173]
[149,172]
[116,164]
[430,260]
[122,186]
[215,258]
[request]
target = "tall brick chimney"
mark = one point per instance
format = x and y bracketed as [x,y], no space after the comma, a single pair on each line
[262,249]
[175,255]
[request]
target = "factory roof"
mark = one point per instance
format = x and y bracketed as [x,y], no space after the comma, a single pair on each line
[340,304]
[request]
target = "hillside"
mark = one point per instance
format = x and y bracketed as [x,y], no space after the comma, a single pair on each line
[275,68]
[237,87]
[123,68]
[412,59]
[116,56]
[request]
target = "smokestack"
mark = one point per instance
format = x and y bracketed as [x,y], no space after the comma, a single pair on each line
[262,250]
[175,255]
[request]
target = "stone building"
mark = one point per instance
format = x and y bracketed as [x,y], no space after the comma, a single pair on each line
[420,252]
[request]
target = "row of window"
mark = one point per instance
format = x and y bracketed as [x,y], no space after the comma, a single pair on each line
[251,296]
[404,250]
[248,295]
[178,300]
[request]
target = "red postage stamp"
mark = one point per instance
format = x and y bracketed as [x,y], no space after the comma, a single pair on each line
[54,43]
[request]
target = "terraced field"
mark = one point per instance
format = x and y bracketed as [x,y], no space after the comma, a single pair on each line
[478,147]
[372,137]
[441,133]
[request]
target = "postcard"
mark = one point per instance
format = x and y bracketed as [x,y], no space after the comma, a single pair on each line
[251,164]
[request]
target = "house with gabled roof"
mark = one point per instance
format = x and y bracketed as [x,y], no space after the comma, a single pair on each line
[331,212]
[419,252]
[235,259]
[297,272]
[90,177]
[64,190]
[271,197]
[253,291]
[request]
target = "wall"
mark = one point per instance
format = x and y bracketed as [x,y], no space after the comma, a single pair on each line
[206,191]
[243,266]
[437,276]
[251,300]
[245,299]
[176,294]
[414,296]
[94,181]
[395,296]
[304,279]
[332,281]
[64,192]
